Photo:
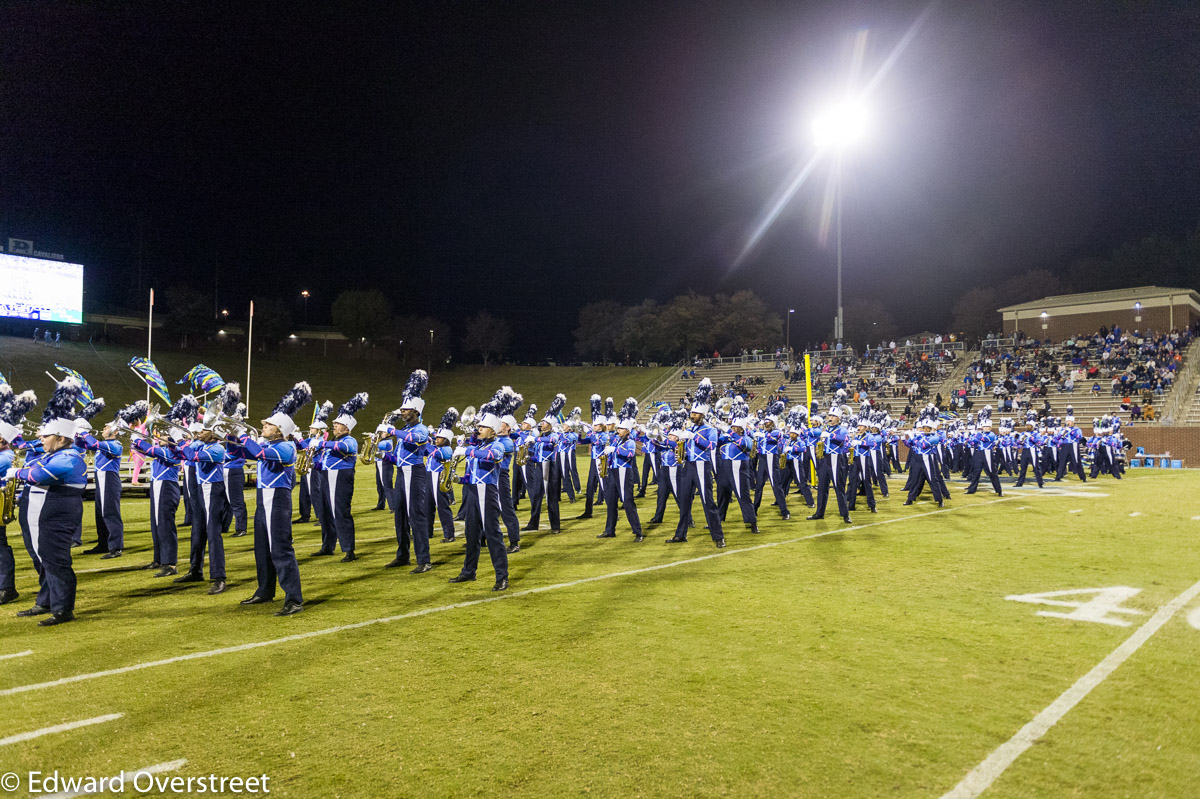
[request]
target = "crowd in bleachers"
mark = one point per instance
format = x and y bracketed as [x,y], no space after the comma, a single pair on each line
[1021,373]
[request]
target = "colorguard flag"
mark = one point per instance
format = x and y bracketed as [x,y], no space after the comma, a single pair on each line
[202,380]
[148,372]
[86,394]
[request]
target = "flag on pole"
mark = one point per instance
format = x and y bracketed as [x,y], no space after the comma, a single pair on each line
[202,380]
[148,372]
[946,416]
[86,394]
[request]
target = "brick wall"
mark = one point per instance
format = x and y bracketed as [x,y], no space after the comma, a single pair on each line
[1181,442]
[1064,326]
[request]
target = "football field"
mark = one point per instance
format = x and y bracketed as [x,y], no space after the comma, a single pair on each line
[1040,645]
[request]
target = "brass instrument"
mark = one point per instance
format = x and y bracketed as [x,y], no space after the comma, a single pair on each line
[681,451]
[466,421]
[303,462]
[521,456]
[8,497]
[602,466]
[368,450]
[448,475]
[154,418]
[227,426]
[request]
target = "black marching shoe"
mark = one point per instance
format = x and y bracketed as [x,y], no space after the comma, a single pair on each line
[112,553]
[754,529]
[511,548]
[255,600]
[289,609]
[720,543]
[462,578]
[8,595]
[846,519]
[941,504]
[787,517]
[674,540]
[607,535]
[239,534]
[190,577]
[639,538]
[36,610]
[584,516]
[422,568]
[816,518]
[349,557]
[654,521]
[166,571]
[529,528]
[872,509]
[395,563]
[96,550]
[56,618]
[555,531]
[149,566]
[501,585]
[450,540]
[217,587]
[908,502]
[320,553]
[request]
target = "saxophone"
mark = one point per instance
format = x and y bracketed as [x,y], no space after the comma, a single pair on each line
[8,497]
[602,466]
[521,456]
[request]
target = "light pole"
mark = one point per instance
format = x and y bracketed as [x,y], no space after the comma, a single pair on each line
[430,363]
[1137,313]
[838,128]
[304,294]
[788,341]
[1045,325]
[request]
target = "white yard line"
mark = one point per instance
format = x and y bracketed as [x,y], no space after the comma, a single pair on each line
[17,655]
[124,779]
[1135,513]
[983,775]
[228,650]
[70,725]
[1077,510]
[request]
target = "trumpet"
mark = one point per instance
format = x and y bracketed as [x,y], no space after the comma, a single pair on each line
[448,475]
[228,427]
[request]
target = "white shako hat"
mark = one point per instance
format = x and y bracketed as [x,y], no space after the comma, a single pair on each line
[295,399]
[350,407]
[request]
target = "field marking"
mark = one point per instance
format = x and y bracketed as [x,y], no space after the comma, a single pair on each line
[1196,518]
[1077,510]
[982,776]
[1135,513]
[124,778]
[228,650]
[70,725]
[17,655]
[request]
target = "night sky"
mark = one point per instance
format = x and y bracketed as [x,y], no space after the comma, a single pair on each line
[530,157]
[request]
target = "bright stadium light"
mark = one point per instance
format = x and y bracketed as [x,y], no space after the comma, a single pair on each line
[841,125]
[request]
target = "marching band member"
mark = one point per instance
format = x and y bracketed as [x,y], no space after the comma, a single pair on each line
[341,452]
[860,470]
[525,437]
[831,467]
[736,449]
[385,466]
[923,463]
[481,496]
[165,457]
[274,555]
[83,424]
[770,443]
[984,459]
[110,528]
[1031,444]
[697,474]
[234,470]
[567,440]
[208,456]
[53,508]
[412,482]
[667,464]
[596,440]
[621,453]
[13,408]
[312,486]
[879,459]
[440,456]
[545,480]
[509,403]
[1069,458]
[799,450]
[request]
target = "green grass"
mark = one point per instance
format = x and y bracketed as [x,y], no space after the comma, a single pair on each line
[881,661]
[334,378]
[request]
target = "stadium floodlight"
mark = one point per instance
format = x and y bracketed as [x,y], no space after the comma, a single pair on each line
[841,125]
[1137,312]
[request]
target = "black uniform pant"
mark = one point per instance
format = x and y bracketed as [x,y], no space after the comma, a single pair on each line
[385,480]
[274,556]
[668,484]
[649,471]
[235,501]
[801,470]
[316,494]
[206,529]
[508,512]
[768,475]
[621,486]
[483,522]
[564,469]
[1068,460]
[880,466]
[188,493]
[595,488]
[412,482]
[1029,458]
[438,502]
[339,491]
[697,477]
[831,471]
[739,482]
[985,461]
[164,501]
[860,472]
[49,519]
[545,483]
[304,501]
[922,469]
[110,529]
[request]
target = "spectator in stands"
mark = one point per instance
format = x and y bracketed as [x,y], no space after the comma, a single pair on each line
[1148,413]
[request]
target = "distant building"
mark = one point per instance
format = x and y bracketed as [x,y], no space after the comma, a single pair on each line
[1065,315]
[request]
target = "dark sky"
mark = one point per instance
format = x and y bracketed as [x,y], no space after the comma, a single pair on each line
[530,157]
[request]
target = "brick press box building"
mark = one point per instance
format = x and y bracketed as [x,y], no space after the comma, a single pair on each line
[1142,308]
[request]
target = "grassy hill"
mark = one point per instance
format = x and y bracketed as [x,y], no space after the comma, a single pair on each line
[335,378]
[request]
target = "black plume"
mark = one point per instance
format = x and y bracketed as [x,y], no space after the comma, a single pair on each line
[92,408]
[704,391]
[418,381]
[597,406]
[324,411]
[511,402]
[132,415]
[556,405]
[230,397]
[354,404]
[184,410]
[530,412]
[608,406]
[630,409]
[449,418]
[62,402]
[296,398]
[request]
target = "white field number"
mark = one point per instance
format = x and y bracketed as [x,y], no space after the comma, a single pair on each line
[1104,602]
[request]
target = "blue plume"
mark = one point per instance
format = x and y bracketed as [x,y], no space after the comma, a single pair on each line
[296,398]
[353,405]
[62,402]
[418,381]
